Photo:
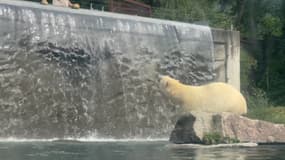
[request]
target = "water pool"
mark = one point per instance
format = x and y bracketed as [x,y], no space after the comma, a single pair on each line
[132,150]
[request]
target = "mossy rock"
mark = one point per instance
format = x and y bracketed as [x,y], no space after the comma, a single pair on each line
[217,138]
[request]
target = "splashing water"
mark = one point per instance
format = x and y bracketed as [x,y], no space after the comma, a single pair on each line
[78,73]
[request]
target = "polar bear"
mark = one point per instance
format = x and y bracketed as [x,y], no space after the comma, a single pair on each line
[213,97]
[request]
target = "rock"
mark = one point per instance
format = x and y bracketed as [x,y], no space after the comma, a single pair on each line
[193,127]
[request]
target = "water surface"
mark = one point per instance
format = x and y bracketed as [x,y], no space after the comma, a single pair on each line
[148,150]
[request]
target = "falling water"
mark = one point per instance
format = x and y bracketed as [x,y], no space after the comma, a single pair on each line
[80,73]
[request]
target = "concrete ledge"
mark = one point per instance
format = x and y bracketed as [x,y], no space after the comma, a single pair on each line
[227,56]
[226,43]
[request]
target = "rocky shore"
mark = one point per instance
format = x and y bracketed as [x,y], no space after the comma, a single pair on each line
[216,128]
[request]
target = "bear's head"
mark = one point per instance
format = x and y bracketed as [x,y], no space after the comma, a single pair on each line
[169,85]
[166,81]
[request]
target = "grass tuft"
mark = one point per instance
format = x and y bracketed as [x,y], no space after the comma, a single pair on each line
[270,114]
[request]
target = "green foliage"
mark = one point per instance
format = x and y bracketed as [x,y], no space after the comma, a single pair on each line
[256,98]
[247,63]
[270,25]
[217,138]
[220,20]
[258,101]
[270,114]
[205,11]
[257,18]
[262,22]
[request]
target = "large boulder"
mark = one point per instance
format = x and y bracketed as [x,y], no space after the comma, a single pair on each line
[193,127]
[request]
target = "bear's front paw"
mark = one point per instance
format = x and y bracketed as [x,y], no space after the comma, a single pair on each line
[44,2]
[75,6]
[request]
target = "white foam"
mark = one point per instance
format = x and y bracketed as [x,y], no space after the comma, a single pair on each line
[89,139]
[12,139]
[212,146]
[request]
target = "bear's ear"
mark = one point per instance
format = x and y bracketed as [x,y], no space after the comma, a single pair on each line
[166,84]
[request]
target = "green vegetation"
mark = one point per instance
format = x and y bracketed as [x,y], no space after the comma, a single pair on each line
[270,114]
[217,138]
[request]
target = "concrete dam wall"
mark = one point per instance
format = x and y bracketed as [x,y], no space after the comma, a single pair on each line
[80,73]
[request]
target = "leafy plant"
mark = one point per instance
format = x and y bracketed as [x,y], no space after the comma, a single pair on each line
[217,138]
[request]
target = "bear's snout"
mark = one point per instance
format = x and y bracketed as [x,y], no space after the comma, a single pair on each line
[161,79]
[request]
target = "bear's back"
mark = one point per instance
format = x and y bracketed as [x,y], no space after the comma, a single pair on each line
[217,97]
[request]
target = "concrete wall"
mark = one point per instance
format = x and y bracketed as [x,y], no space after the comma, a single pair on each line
[227,56]
[226,43]
[96,71]
[93,71]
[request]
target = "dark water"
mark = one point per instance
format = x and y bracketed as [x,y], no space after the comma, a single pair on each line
[131,151]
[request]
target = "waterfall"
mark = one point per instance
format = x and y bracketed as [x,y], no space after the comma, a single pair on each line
[78,73]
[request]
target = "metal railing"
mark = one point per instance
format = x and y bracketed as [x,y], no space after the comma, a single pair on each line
[135,8]
[131,7]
